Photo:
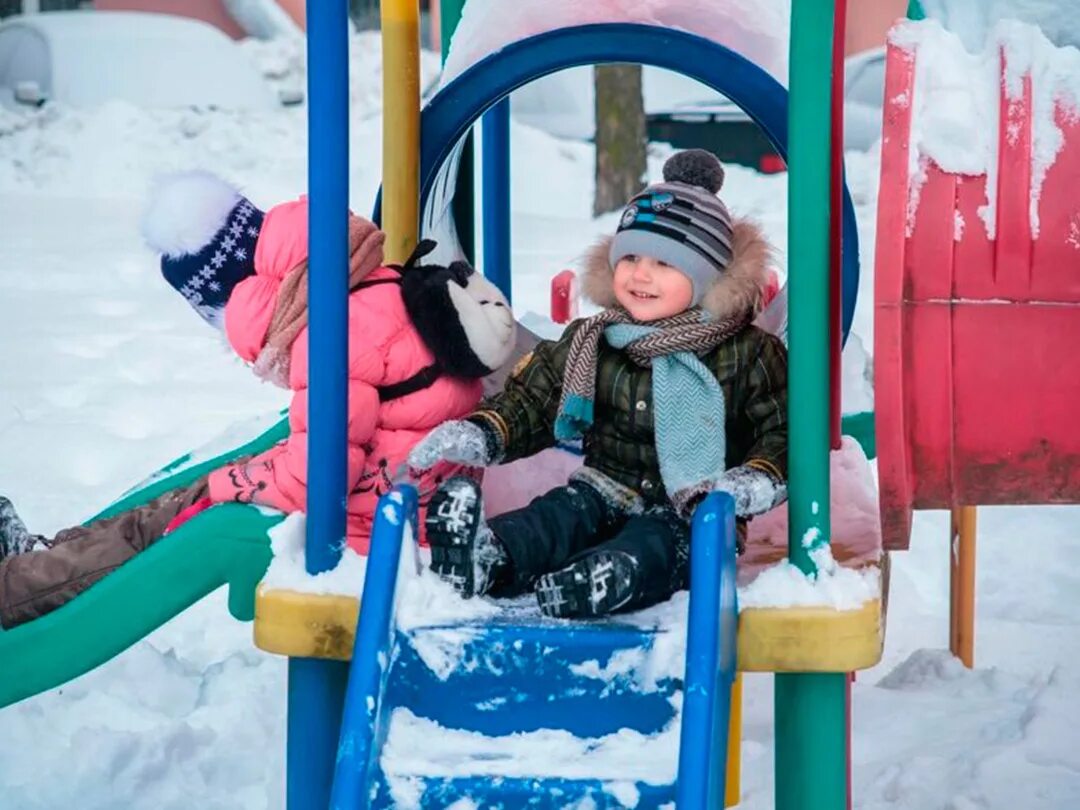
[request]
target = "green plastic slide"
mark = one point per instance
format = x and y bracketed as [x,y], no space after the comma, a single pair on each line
[860,426]
[227,544]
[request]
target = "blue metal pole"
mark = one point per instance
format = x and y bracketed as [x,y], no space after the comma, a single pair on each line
[316,700]
[328,183]
[317,688]
[495,161]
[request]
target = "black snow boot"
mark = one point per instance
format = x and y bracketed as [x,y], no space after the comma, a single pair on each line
[600,582]
[14,537]
[464,550]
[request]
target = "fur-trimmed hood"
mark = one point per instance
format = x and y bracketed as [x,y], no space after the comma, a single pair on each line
[739,289]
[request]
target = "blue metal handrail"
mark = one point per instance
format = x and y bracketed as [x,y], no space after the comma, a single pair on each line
[363,723]
[710,656]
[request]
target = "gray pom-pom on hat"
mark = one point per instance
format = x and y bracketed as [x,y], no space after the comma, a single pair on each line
[695,167]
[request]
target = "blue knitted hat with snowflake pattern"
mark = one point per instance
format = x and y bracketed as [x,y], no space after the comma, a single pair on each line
[206,232]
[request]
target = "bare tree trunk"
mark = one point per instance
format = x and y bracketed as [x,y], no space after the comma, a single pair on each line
[620,136]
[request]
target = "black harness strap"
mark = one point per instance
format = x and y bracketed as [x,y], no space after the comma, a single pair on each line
[422,379]
[375,282]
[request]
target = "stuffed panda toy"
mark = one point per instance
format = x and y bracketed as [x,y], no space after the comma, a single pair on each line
[462,317]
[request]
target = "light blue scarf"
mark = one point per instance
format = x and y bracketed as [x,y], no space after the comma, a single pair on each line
[688,402]
[688,413]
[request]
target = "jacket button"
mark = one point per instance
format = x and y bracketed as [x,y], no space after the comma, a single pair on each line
[646,485]
[641,405]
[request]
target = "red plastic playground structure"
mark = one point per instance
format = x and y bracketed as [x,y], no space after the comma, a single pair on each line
[976,400]
[975,386]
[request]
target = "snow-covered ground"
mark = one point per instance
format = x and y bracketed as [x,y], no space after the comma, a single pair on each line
[105,375]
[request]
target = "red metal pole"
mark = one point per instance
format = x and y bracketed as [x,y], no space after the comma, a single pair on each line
[836,223]
[836,333]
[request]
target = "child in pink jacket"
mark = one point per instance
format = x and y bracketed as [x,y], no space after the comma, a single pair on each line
[246,272]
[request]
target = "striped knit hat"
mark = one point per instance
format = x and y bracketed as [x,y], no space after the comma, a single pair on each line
[680,221]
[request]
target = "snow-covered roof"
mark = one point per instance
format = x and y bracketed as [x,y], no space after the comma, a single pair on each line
[756,29]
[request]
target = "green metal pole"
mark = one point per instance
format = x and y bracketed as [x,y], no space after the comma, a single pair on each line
[915,11]
[464,204]
[811,741]
[808,249]
[810,709]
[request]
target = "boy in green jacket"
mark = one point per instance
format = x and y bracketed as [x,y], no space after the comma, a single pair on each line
[671,389]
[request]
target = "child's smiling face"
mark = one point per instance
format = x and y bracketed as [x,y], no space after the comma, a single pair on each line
[650,289]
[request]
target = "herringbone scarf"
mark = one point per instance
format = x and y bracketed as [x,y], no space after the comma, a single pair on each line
[688,402]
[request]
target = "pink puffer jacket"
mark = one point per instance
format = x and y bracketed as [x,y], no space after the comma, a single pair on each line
[384,348]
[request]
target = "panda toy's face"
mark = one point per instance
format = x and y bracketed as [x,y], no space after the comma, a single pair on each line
[484,315]
[462,317]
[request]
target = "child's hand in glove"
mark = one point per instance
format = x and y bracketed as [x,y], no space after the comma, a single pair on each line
[754,490]
[457,441]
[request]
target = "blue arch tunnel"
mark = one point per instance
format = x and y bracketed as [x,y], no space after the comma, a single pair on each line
[455,108]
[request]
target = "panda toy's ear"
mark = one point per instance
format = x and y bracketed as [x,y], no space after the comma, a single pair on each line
[463,318]
[422,249]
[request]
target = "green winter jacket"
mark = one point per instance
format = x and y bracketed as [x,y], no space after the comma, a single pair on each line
[751,367]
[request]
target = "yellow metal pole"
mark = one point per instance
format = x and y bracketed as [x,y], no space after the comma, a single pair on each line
[732,785]
[401,126]
[962,585]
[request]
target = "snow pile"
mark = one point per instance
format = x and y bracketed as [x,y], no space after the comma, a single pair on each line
[757,29]
[55,150]
[957,99]
[664,660]
[834,586]
[972,21]
[427,600]
[287,570]
[423,599]
[855,526]
[86,59]
[283,60]
[181,720]
[1000,736]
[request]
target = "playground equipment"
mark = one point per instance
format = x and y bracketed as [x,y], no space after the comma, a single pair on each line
[812,650]
[228,545]
[515,659]
[975,391]
[812,692]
